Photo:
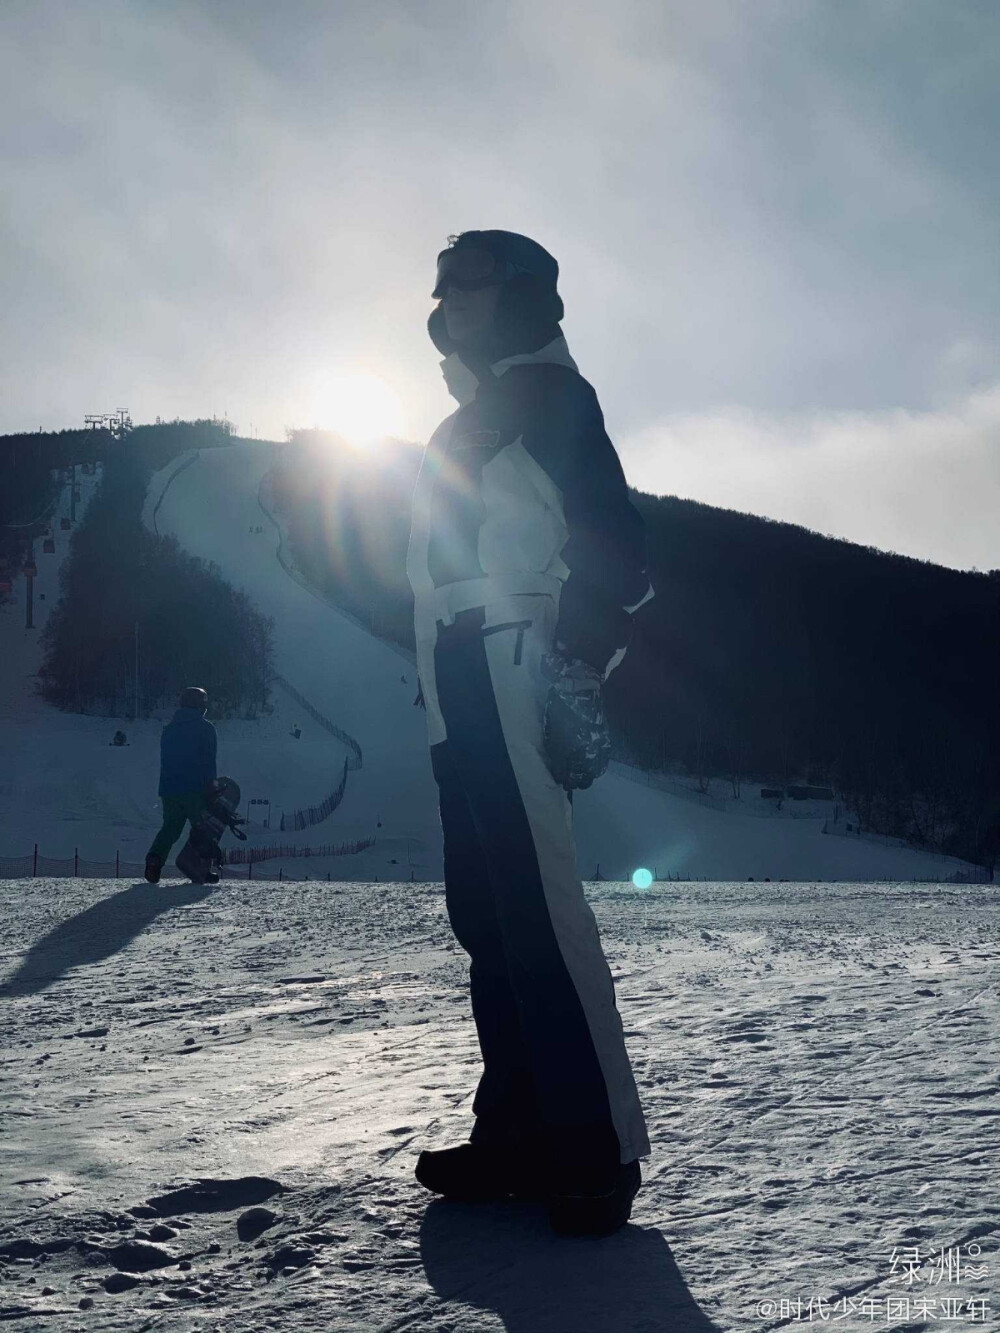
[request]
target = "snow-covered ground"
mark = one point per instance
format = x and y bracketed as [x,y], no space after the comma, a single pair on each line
[818,1066]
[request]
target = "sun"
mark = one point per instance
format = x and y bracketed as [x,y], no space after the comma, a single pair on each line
[359,406]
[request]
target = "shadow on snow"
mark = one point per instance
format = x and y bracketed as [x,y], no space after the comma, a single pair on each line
[96,934]
[504,1258]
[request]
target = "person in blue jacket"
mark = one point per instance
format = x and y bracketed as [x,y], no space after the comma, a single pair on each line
[188,745]
[527,560]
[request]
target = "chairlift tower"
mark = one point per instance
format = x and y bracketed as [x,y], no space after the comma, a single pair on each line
[118,422]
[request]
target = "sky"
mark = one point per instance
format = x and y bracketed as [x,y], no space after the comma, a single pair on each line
[776,225]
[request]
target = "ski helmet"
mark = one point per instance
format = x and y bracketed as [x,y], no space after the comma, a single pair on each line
[529,307]
[476,258]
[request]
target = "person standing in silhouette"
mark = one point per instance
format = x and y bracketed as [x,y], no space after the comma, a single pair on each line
[524,552]
[188,745]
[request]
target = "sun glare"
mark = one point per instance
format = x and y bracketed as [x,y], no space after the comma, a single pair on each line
[359,406]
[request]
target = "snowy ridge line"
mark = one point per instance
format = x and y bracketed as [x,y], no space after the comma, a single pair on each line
[316,814]
[662,782]
[185,462]
[888,840]
[964,871]
[324,722]
[293,572]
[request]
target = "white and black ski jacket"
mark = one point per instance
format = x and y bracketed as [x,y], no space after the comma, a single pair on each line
[521,491]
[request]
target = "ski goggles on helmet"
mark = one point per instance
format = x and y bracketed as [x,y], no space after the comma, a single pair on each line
[469,267]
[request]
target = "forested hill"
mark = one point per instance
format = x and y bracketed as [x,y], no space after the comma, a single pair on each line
[34,465]
[769,654]
[776,652]
[121,585]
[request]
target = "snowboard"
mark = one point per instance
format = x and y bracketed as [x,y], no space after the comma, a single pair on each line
[201,856]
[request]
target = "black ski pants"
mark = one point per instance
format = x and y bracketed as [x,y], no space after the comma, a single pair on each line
[555,1068]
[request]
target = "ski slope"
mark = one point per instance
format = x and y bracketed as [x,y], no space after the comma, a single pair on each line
[211,501]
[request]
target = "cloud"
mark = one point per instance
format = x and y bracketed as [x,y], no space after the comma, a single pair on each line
[788,207]
[925,484]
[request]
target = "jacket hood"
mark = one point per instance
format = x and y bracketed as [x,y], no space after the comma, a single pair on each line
[187,715]
[462,382]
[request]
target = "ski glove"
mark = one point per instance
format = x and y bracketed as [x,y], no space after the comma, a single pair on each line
[575,730]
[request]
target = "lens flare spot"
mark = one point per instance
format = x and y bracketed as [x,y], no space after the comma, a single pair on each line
[642,878]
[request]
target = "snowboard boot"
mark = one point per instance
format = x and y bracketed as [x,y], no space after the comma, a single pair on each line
[153,867]
[590,1191]
[600,1207]
[482,1172]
